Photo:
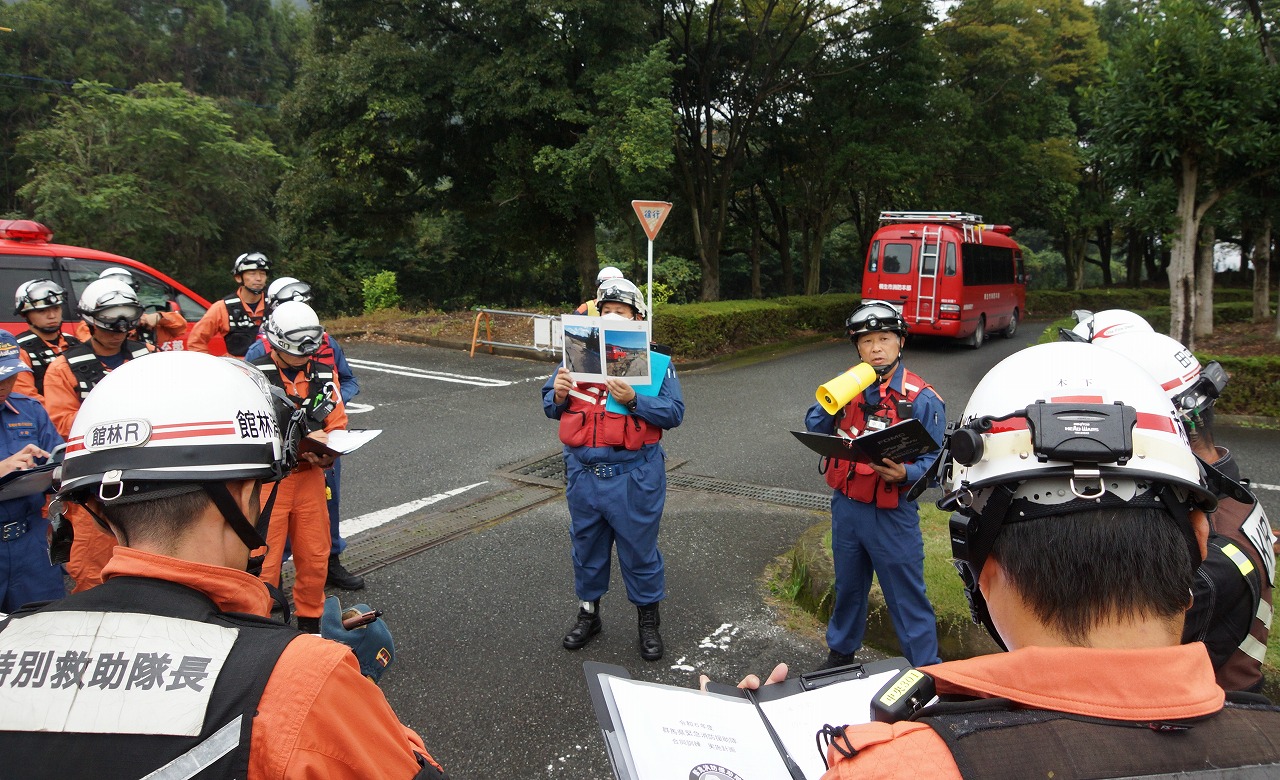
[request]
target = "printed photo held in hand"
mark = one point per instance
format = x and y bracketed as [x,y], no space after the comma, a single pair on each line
[600,348]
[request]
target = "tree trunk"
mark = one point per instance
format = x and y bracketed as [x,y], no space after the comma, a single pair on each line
[1261,259]
[1182,275]
[1103,235]
[584,252]
[757,243]
[1134,249]
[813,266]
[1204,282]
[1074,246]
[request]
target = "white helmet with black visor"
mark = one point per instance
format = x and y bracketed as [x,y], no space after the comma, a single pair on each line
[38,294]
[294,328]
[110,304]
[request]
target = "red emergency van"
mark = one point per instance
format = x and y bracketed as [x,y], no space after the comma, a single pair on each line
[27,252]
[950,273]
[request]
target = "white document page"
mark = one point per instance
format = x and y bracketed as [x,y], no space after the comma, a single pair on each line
[798,718]
[671,732]
[349,441]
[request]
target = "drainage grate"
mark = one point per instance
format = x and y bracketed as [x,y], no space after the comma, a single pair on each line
[773,495]
[549,470]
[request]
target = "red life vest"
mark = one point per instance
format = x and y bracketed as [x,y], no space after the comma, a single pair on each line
[858,480]
[585,423]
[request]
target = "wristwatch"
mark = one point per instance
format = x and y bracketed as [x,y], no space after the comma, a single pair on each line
[631,405]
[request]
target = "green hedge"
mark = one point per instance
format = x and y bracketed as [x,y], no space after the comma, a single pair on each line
[1052,304]
[698,330]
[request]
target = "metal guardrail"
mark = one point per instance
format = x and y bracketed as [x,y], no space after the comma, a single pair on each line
[548,333]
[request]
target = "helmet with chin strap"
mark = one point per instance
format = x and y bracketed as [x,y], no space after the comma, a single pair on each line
[873,316]
[1056,429]
[178,437]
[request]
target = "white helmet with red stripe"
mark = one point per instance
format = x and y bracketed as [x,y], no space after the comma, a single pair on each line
[1075,420]
[140,432]
[1056,429]
[1188,385]
[1108,323]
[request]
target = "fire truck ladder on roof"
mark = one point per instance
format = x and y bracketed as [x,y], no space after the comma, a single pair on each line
[927,274]
[970,224]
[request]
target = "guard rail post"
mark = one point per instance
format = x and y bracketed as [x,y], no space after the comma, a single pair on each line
[547,335]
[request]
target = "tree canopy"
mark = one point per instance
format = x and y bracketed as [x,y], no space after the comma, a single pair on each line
[487,151]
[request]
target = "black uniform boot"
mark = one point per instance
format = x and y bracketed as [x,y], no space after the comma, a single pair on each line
[340,578]
[586,628]
[650,639]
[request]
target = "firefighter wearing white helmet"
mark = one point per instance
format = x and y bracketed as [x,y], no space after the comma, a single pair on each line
[617,483]
[164,330]
[591,308]
[875,527]
[1232,593]
[1080,521]
[330,353]
[294,332]
[110,311]
[40,303]
[237,317]
[199,674]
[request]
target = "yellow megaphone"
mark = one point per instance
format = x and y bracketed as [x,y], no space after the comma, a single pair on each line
[839,391]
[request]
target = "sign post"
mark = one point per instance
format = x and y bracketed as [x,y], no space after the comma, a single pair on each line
[652,214]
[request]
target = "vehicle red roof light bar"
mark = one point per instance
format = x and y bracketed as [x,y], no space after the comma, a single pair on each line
[25,230]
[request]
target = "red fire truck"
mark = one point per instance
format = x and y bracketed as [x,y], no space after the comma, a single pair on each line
[950,273]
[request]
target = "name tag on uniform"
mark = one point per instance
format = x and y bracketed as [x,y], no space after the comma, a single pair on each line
[109,673]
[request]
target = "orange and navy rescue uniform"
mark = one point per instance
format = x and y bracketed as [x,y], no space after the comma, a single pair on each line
[300,511]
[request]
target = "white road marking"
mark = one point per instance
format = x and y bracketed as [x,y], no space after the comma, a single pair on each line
[364,522]
[355,408]
[1264,486]
[422,373]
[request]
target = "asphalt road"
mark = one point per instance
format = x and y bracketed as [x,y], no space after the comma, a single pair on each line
[478,620]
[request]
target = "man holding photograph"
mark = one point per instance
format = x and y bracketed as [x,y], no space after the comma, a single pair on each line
[617,481]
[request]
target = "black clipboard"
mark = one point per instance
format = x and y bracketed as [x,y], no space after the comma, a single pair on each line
[27,482]
[615,742]
[901,442]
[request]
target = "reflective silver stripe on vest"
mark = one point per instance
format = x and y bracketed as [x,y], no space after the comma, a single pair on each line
[202,756]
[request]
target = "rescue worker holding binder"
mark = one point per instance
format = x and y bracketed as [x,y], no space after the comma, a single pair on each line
[172,667]
[874,528]
[300,512]
[617,481]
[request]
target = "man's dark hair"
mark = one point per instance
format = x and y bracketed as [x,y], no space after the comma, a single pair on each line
[1077,570]
[158,521]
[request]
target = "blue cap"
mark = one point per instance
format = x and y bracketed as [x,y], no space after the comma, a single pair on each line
[10,357]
